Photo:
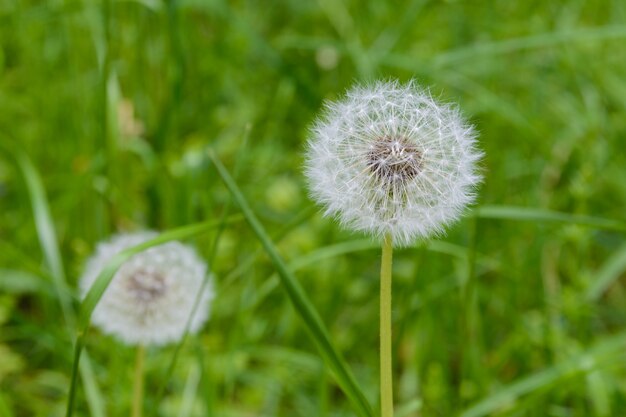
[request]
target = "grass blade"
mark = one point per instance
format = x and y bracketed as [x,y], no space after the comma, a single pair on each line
[79,344]
[300,301]
[541,40]
[353,246]
[22,282]
[92,391]
[46,233]
[49,244]
[609,273]
[411,408]
[539,215]
[486,50]
[211,258]
[608,349]
[245,265]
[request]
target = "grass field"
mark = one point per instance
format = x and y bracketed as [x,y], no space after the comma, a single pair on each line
[107,110]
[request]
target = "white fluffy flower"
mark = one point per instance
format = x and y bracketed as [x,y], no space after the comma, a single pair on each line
[387,158]
[151,297]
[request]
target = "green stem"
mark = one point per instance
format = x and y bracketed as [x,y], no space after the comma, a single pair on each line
[469,346]
[386,379]
[78,347]
[138,383]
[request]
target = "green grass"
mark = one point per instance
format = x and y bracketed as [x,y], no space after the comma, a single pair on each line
[517,311]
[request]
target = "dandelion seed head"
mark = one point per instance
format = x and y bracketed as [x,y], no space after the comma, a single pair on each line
[151,297]
[388,158]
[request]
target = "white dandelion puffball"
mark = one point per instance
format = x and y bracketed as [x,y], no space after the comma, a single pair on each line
[151,297]
[388,159]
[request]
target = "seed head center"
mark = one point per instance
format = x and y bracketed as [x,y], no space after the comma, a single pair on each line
[394,159]
[146,285]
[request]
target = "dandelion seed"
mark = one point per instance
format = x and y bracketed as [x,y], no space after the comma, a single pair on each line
[388,159]
[151,298]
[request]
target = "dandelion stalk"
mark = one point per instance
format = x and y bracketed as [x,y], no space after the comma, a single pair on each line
[386,373]
[138,382]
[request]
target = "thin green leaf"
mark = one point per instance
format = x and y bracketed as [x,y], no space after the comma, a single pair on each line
[410,408]
[344,248]
[247,263]
[211,257]
[300,301]
[79,344]
[506,46]
[332,251]
[20,282]
[607,350]
[27,262]
[49,244]
[608,274]
[600,392]
[206,382]
[46,233]
[190,392]
[539,215]
[541,40]
[92,391]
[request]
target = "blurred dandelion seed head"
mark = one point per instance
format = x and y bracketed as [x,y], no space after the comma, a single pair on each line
[152,295]
[387,158]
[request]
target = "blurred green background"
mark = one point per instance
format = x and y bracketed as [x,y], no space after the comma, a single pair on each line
[115,102]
